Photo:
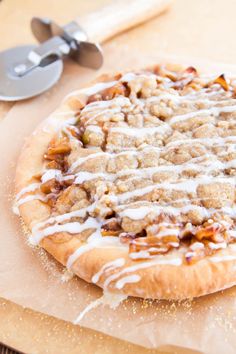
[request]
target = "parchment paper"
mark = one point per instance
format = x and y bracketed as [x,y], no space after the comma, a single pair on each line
[32,279]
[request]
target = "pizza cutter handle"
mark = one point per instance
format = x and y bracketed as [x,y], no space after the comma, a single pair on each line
[119,16]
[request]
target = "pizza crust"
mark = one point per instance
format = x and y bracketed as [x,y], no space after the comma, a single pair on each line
[160,281]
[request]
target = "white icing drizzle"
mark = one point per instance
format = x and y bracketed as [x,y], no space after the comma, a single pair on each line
[104,108]
[112,300]
[51,174]
[128,77]
[27,199]
[46,176]
[203,112]
[173,232]
[94,242]
[217,246]
[197,246]
[117,263]
[63,217]
[206,141]
[149,171]
[30,188]
[140,255]
[140,132]
[136,213]
[190,254]
[81,250]
[71,227]
[174,97]
[160,260]
[142,211]
[55,174]
[81,160]
[84,176]
[87,176]
[188,186]
[135,278]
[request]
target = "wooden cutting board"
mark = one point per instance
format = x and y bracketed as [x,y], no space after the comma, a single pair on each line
[197,29]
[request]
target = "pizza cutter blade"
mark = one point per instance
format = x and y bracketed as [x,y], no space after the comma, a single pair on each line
[14,87]
[27,71]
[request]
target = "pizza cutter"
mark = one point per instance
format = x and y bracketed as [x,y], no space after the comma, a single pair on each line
[29,70]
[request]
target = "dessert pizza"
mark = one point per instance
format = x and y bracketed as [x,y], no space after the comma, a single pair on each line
[131,183]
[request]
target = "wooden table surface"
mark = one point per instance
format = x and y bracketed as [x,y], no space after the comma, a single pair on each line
[194,29]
